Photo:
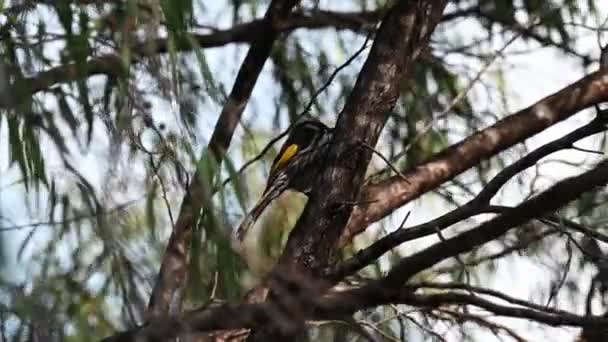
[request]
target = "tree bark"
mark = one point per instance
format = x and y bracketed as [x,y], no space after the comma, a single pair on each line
[401,38]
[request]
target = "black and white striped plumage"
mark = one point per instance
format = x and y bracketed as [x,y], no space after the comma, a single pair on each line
[294,168]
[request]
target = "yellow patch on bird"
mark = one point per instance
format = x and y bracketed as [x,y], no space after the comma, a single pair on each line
[290,151]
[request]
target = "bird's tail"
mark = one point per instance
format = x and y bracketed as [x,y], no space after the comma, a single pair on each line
[253,215]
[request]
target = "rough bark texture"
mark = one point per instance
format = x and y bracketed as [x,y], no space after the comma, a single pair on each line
[379,200]
[594,334]
[173,273]
[402,36]
[479,204]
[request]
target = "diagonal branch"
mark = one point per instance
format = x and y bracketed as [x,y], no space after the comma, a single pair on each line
[401,38]
[541,316]
[487,292]
[381,199]
[480,204]
[546,202]
[173,273]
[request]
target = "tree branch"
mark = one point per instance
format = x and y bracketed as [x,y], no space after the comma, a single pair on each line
[338,305]
[480,204]
[402,36]
[111,64]
[548,201]
[488,292]
[173,273]
[445,299]
[381,199]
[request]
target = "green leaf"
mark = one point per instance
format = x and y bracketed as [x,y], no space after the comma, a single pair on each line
[151,211]
[237,183]
[65,216]
[54,133]
[178,14]
[229,267]
[207,171]
[216,93]
[64,12]
[16,151]
[66,112]
[83,95]
[34,156]
[25,243]
[52,201]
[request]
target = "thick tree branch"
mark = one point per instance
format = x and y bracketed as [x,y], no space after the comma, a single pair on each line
[402,36]
[338,306]
[487,292]
[248,32]
[542,204]
[173,273]
[541,316]
[111,64]
[480,204]
[381,199]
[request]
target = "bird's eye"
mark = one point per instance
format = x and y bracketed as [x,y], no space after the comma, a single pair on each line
[302,136]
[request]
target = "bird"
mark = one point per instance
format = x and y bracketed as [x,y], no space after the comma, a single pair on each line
[295,167]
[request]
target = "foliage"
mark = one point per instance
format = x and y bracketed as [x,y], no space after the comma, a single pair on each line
[107,107]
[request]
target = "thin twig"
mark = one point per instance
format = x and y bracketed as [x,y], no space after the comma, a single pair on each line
[492,326]
[378,330]
[163,188]
[388,162]
[555,290]
[510,249]
[425,329]
[71,219]
[214,288]
[464,269]
[586,150]
[476,290]
[355,325]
